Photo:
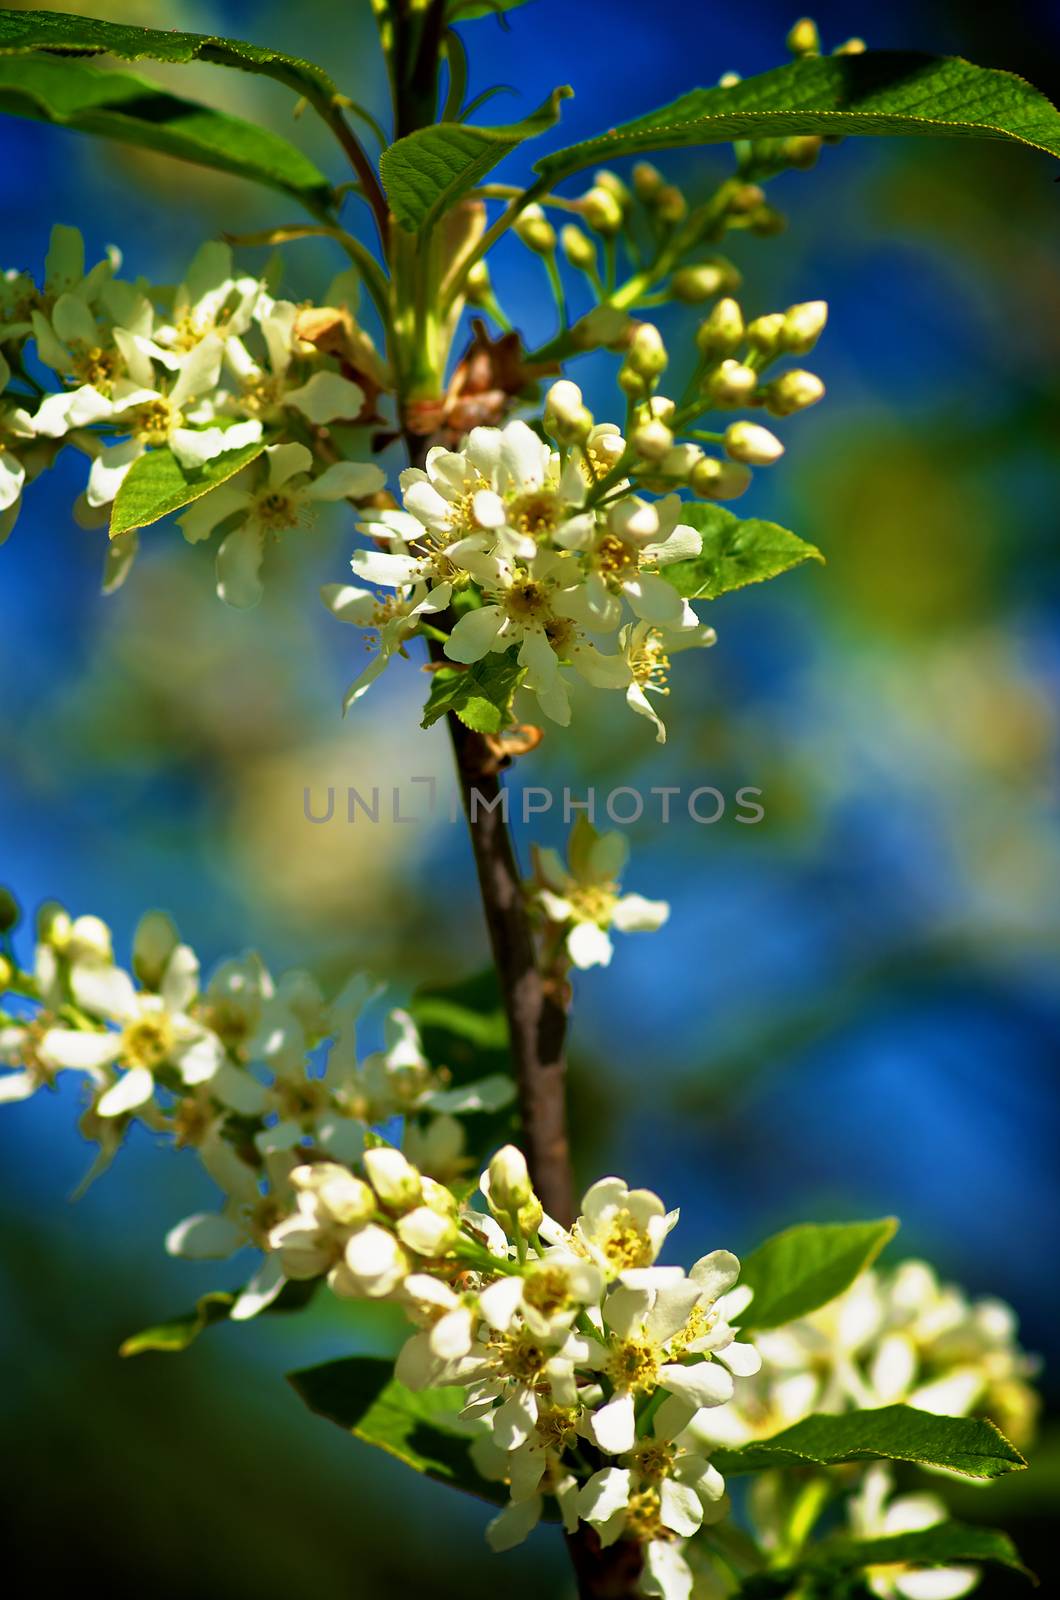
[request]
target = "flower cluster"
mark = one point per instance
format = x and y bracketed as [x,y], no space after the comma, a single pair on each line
[581,901]
[216,372]
[535,543]
[895,1336]
[254,1074]
[583,1362]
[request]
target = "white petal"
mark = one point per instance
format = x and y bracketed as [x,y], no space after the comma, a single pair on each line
[180,979]
[939,1583]
[614,1425]
[199,372]
[208,1236]
[348,480]
[260,1292]
[17,1086]
[666,1572]
[450,1337]
[474,634]
[500,1301]
[12,477]
[326,396]
[605,1493]
[513,1422]
[238,567]
[79,1050]
[287,461]
[378,566]
[200,520]
[715,1273]
[634,914]
[680,1507]
[193,447]
[106,991]
[655,600]
[349,604]
[514,1524]
[742,1359]
[589,945]
[199,1059]
[133,1089]
[704,1384]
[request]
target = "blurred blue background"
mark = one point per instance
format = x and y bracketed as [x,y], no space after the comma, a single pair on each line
[853,1009]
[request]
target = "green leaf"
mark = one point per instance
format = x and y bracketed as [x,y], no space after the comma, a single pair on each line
[967,1445]
[427,172]
[466,1019]
[469,10]
[464,1033]
[935,1546]
[179,1332]
[157,484]
[736,552]
[59,33]
[879,92]
[480,695]
[363,1397]
[116,105]
[806,1266]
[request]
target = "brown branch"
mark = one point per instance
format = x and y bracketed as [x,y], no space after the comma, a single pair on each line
[605,1574]
[373,193]
[534,1004]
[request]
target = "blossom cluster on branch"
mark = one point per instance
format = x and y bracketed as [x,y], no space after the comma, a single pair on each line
[215,372]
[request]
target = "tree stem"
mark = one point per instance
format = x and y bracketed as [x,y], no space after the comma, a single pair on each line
[533,1003]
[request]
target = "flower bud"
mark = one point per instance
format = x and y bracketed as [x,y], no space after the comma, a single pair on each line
[729,80]
[566,416]
[705,280]
[7,972]
[477,286]
[509,1179]
[428,1232]
[603,325]
[10,911]
[801,151]
[792,392]
[732,384]
[670,204]
[765,221]
[373,1265]
[647,354]
[394,1179]
[154,942]
[851,47]
[578,248]
[647,180]
[652,440]
[510,1194]
[764,333]
[746,197]
[89,940]
[681,461]
[611,181]
[53,925]
[601,210]
[750,442]
[660,408]
[563,400]
[346,1199]
[722,332]
[719,480]
[535,230]
[804,40]
[803,325]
